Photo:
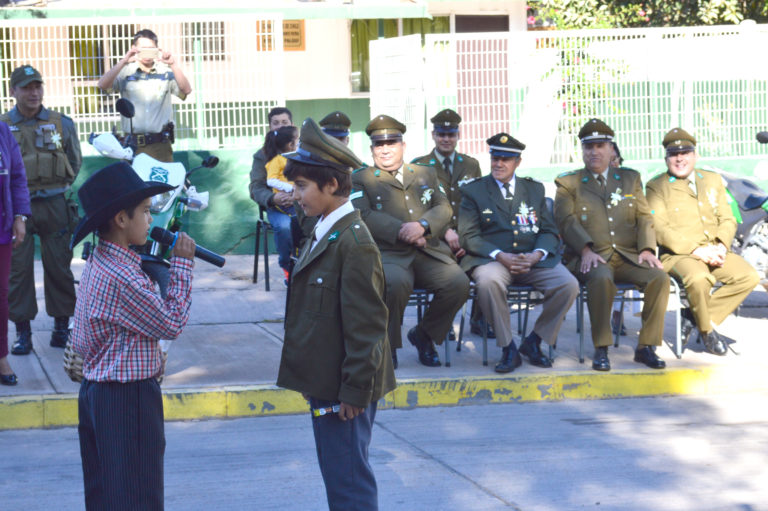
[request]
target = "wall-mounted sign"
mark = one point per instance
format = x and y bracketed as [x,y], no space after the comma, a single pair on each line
[293,35]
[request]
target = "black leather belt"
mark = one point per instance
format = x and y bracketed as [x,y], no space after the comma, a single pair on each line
[150,138]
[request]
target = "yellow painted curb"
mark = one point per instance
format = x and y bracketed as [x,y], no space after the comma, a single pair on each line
[22,412]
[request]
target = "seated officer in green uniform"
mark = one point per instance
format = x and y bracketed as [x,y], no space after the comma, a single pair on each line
[453,170]
[695,228]
[336,124]
[51,153]
[510,238]
[607,227]
[406,212]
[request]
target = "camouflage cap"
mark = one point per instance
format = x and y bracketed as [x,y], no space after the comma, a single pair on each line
[505,145]
[384,127]
[446,121]
[322,150]
[595,130]
[24,75]
[677,140]
[336,124]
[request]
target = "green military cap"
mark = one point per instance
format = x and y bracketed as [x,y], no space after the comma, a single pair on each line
[595,130]
[384,127]
[336,124]
[677,140]
[446,121]
[505,145]
[321,150]
[24,75]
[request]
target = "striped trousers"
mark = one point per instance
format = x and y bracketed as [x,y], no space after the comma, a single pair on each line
[122,444]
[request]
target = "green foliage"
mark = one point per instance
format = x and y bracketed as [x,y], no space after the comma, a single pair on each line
[574,14]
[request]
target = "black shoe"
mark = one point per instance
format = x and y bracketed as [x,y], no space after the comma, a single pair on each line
[8,379]
[425,346]
[647,355]
[60,334]
[451,335]
[532,350]
[23,344]
[687,330]
[394,359]
[713,343]
[600,360]
[615,328]
[476,327]
[510,359]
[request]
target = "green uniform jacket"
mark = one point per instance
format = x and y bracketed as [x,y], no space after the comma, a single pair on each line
[465,169]
[260,192]
[488,222]
[336,345]
[619,220]
[684,221]
[385,204]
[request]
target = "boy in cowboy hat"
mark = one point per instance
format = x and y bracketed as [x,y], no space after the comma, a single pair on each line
[119,318]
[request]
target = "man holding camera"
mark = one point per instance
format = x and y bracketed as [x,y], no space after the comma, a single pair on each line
[147,76]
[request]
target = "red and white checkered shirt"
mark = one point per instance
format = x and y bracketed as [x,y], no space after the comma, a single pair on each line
[119,316]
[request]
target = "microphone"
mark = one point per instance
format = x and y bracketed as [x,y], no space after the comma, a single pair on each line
[762,137]
[166,237]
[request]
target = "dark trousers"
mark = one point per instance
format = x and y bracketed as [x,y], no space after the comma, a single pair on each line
[342,451]
[5,268]
[50,221]
[122,443]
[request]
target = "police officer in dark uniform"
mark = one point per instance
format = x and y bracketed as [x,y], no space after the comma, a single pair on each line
[510,237]
[336,124]
[406,212]
[51,153]
[607,227]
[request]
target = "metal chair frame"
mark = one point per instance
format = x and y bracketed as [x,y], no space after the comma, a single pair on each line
[263,228]
[420,298]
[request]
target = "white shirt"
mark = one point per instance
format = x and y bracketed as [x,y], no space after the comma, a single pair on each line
[324,224]
[603,173]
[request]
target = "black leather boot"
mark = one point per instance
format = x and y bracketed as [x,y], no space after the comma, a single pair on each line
[60,333]
[23,344]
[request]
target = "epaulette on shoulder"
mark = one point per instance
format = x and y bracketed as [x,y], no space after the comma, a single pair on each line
[529,178]
[657,176]
[569,173]
[418,161]
[627,169]
[365,166]
[468,181]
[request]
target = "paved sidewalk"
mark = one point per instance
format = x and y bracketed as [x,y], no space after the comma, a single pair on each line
[225,363]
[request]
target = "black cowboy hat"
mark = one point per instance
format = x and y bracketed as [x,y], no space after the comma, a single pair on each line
[109,191]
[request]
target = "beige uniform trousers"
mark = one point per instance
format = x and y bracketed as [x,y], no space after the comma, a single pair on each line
[557,285]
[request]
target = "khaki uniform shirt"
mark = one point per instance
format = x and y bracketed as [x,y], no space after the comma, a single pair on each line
[618,220]
[150,94]
[465,169]
[685,221]
[385,204]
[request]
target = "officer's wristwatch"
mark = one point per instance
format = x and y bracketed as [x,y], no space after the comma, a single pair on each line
[23,217]
[425,225]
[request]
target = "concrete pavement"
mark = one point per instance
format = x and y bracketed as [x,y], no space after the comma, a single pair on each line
[681,453]
[225,363]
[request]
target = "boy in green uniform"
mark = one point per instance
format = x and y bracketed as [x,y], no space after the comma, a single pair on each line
[336,351]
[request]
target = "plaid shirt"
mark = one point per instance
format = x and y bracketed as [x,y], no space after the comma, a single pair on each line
[119,317]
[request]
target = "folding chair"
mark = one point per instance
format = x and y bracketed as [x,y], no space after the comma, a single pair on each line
[263,228]
[420,298]
[518,296]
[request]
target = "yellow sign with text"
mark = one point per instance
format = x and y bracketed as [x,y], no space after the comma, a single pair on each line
[293,35]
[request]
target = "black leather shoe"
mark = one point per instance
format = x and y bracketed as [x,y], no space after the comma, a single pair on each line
[615,328]
[600,360]
[532,350]
[394,359]
[476,327]
[647,355]
[451,335]
[8,379]
[425,346]
[23,344]
[510,359]
[713,343]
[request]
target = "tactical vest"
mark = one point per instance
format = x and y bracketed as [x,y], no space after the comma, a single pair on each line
[42,151]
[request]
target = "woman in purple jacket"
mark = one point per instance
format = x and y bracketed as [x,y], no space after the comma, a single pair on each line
[14,209]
